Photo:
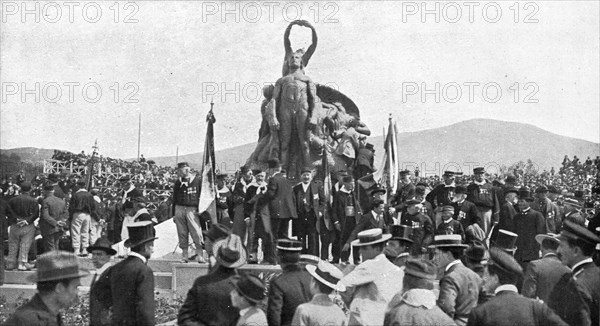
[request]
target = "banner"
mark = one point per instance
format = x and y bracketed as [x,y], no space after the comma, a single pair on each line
[208,194]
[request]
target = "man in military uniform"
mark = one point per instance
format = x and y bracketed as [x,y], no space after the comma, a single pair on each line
[442,195]
[465,212]
[577,245]
[291,288]
[405,191]
[548,209]
[508,307]
[58,278]
[459,286]
[422,227]
[483,194]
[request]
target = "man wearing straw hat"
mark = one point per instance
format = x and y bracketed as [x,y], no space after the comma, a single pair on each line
[208,301]
[459,286]
[542,275]
[416,304]
[373,283]
[132,282]
[321,310]
[58,278]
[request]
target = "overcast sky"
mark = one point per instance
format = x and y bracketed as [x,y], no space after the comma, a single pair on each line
[172,57]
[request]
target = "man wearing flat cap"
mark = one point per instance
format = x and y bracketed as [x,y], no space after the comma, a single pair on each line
[208,301]
[57,278]
[542,275]
[459,286]
[290,289]
[406,191]
[483,194]
[132,281]
[100,293]
[508,307]
[577,245]
[416,304]
[373,283]
[421,224]
[186,196]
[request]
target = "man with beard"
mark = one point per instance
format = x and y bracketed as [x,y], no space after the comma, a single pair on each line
[239,201]
[309,202]
[344,211]
[260,223]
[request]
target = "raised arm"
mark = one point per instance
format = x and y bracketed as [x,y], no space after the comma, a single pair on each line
[313,46]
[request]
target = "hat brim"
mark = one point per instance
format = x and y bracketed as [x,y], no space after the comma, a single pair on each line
[294,249]
[128,243]
[449,245]
[402,239]
[81,273]
[241,261]
[237,288]
[311,269]
[109,251]
[384,237]
[541,237]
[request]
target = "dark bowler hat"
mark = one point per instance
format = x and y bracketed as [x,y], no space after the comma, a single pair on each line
[369,146]
[505,262]
[80,182]
[575,231]
[525,193]
[478,170]
[448,241]
[327,274]
[217,232]
[541,189]
[506,240]
[221,176]
[412,202]
[104,245]
[48,187]
[511,189]
[250,287]
[376,190]
[460,189]
[182,165]
[289,245]
[404,172]
[510,179]
[125,178]
[273,163]
[401,232]
[53,177]
[306,169]
[140,233]
[451,173]
[448,208]
[55,266]
[420,268]
[371,237]
[230,252]
[476,252]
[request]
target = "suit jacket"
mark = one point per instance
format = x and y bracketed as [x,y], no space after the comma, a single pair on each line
[367,221]
[527,226]
[550,212]
[507,217]
[338,208]
[319,311]
[422,233]
[366,158]
[34,313]
[208,301]
[452,227]
[132,288]
[24,207]
[510,308]
[415,307]
[101,299]
[542,275]
[440,196]
[587,277]
[404,193]
[566,300]
[316,198]
[280,198]
[287,291]
[459,292]
[466,213]
[54,209]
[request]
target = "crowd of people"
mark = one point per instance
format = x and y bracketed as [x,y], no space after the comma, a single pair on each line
[485,245]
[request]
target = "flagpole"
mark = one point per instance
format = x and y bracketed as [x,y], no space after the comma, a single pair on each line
[139,134]
[177,155]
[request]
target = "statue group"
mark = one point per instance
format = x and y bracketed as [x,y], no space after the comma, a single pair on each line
[303,120]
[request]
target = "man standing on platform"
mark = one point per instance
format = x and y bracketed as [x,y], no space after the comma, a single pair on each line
[132,281]
[100,295]
[186,195]
[442,195]
[344,213]
[280,199]
[422,227]
[54,218]
[309,204]
[240,206]
[405,191]
[483,194]
[290,289]
[25,210]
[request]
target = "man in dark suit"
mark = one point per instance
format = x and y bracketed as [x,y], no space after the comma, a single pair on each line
[100,292]
[53,180]
[548,209]
[542,275]
[127,192]
[132,282]
[508,211]
[528,223]
[344,213]
[577,245]
[464,211]
[290,289]
[442,195]
[483,194]
[260,220]
[405,191]
[309,204]
[422,227]
[364,161]
[208,302]
[508,307]
[280,199]
[25,210]
[375,219]
[459,286]
[54,218]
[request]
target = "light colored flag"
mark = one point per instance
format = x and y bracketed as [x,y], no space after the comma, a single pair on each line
[208,194]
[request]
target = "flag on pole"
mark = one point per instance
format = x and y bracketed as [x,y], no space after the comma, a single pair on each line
[327,186]
[208,194]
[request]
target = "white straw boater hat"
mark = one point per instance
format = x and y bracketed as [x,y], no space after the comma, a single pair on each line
[327,274]
[370,237]
[448,241]
[539,238]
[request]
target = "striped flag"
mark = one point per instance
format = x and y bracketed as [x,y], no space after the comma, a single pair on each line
[208,194]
